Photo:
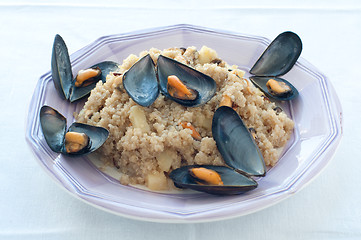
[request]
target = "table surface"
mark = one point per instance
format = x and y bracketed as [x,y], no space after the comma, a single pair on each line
[32,206]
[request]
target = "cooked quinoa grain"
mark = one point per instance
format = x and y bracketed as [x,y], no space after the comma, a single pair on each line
[146,143]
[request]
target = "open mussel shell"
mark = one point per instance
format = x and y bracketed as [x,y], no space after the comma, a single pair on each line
[97,135]
[61,68]
[61,71]
[105,68]
[236,144]
[261,82]
[279,57]
[234,183]
[53,125]
[193,79]
[140,82]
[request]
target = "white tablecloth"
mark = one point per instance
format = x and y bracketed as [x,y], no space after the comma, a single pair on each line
[32,206]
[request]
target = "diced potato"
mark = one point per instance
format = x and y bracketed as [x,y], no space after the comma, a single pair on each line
[157,181]
[165,160]
[138,119]
[118,81]
[206,55]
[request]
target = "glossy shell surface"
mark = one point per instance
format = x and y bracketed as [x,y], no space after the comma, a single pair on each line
[235,143]
[53,125]
[61,68]
[141,83]
[279,57]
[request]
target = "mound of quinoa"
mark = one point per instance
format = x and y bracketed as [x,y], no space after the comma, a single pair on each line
[146,152]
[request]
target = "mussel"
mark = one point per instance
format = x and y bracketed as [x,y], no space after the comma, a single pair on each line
[74,89]
[239,152]
[278,59]
[79,139]
[233,182]
[173,79]
[83,88]
[201,87]
[177,89]
[271,91]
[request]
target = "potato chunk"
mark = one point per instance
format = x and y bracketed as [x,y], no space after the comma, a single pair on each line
[165,160]
[157,181]
[138,118]
[206,55]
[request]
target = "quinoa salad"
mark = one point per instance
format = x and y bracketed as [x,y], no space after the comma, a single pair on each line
[146,143]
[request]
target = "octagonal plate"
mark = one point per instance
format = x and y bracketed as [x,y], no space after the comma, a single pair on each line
[316,135]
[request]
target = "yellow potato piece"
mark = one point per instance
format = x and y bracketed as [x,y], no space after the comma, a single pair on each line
[157,181]
[206,55]
[165,160]
[138,119]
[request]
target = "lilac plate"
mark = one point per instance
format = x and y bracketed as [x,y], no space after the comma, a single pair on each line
[316,112]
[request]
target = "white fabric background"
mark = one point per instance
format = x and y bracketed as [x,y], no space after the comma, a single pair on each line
[32,206]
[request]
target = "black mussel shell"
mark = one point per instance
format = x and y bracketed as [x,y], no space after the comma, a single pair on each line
[261,82]
[193,79]
[234,182]
[80,92]
[61,71]
[97,136]
[236,144]
[53,125]
[279,57]
[140,82]
[61,68]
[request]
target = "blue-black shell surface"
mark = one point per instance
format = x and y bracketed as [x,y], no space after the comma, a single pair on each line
[61,68]
[235,143]
[53,125]
[279,57]
[140,82]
